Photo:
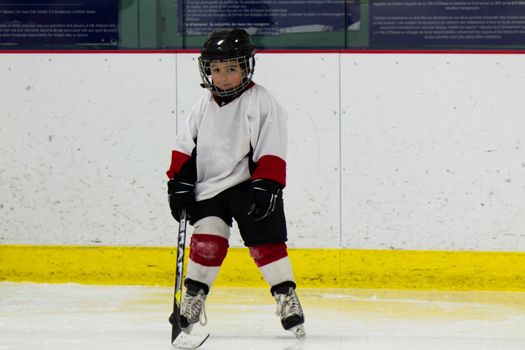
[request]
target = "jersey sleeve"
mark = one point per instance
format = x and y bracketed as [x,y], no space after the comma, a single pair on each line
[270,141]
[183,156]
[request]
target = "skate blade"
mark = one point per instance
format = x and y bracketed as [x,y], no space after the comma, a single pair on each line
[298,331]
[187,341]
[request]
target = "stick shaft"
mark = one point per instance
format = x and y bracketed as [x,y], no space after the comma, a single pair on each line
[179,273]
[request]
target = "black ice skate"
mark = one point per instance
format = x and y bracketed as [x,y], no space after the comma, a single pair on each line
[192,308]
[289,308]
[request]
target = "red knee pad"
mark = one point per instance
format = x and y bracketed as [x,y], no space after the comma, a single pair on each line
[265,254]
[208,250]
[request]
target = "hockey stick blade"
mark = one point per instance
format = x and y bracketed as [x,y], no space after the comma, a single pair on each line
[187,341]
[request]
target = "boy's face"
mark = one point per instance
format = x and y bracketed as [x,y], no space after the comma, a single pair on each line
[226,74]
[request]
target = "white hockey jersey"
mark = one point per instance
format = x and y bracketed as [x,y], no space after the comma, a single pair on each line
[224,137]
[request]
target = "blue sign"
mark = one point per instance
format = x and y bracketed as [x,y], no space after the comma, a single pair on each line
[62,22]
[268,17]
[446,23]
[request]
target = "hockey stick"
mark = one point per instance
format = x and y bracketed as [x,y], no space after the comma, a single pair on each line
[182,341]
[179,271]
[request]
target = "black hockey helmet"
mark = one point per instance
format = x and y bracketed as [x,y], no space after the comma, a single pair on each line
[227,45]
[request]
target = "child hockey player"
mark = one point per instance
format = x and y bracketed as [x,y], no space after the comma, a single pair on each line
[229,162]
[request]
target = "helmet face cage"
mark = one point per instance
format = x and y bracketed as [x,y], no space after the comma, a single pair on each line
[246,63]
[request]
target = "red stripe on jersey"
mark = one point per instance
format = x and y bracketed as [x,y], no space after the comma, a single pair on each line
[265,254]
[177,161]
[208,250]
[272,168]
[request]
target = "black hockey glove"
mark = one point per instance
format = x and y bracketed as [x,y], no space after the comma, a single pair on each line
[181,195]
[263,198]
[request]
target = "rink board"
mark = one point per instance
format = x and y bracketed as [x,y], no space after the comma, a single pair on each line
[333,268]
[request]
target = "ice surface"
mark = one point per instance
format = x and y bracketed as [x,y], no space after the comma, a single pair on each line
[79,317]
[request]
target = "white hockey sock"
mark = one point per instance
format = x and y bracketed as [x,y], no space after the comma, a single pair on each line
[201,273]
[278,271]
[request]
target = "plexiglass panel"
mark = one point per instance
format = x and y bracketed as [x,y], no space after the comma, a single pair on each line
[273,24]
